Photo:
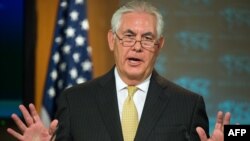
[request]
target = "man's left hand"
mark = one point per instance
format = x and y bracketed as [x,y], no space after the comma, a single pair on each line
[218,133]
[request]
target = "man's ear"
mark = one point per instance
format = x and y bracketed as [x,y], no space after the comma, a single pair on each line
[111,40]
[161,42]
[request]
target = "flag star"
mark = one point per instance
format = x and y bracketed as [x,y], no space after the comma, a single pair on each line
[63,66]
[61,22]
[84,24]
[79,40]
[79,2]
[56,57]
[53,75]
[74,15]
[66,49]
[58,40]
[51,92]
[73,73]
[60,84]
[76,57]
[86,65]
[80,80]
[64,4]
[70,32]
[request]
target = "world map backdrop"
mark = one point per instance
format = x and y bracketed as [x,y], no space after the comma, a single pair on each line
[207,50]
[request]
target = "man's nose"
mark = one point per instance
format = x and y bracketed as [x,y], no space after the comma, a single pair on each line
[138,46]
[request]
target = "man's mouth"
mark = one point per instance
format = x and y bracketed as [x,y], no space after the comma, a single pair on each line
[134,61]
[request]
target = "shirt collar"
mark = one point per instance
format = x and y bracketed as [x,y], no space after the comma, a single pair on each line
[120,84]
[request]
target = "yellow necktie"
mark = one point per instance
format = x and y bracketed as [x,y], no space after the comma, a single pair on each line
[129,116]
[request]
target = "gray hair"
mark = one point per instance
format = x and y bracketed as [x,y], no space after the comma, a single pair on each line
[137,6]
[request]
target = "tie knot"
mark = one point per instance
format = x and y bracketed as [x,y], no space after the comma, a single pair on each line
[131,90]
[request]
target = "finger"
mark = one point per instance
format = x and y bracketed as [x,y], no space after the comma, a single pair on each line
[19,122]
[219,120]
[14,134]
[34,113]
[53,127]
[202,134]
[27,117]
[226,120]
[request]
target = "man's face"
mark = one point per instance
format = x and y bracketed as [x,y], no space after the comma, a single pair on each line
[135,63]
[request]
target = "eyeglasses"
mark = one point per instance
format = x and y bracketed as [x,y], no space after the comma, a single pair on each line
[130,41]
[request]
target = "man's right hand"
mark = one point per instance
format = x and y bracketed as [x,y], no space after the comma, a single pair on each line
[32,128]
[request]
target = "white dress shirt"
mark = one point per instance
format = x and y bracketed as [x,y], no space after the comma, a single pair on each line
[139,96]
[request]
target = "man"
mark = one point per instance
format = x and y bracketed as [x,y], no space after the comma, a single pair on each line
[104,109]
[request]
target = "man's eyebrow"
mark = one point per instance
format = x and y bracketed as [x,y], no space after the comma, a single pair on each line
[144,34]
[129,31]
[148,34]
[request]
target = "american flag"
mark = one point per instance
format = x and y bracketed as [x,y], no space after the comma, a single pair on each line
[70,60]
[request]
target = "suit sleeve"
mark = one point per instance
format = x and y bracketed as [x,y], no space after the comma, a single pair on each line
[63,116]
[199,119]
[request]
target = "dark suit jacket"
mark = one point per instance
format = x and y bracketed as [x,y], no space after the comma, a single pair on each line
[89,112]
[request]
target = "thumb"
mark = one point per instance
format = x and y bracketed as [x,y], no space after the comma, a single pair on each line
[201,133]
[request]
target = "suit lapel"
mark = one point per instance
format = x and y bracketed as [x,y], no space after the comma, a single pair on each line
[107,100]
[155,103]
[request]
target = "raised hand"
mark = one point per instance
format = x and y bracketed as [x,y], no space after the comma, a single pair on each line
[33,128]
[218,133]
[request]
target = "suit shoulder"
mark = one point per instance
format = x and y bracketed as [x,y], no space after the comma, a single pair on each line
[174,88]
[89,86]
[181,90]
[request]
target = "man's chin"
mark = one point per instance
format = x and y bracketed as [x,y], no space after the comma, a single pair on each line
[135,75]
